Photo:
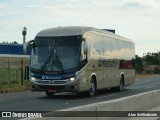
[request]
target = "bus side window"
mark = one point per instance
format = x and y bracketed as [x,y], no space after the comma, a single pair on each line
[121,49]
[128,49]
[97,45]
[114,45]
[106,46]
[89,38]
[132,50]
[83,56]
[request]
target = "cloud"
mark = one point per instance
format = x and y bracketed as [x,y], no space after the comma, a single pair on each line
[141,3]
[2,6]
[134,19]
[42,7]
[150,3]
[2,9]
[143,48]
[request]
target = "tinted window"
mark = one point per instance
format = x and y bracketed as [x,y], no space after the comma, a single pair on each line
[114,46]
[127,49]
[106,46]
[55,53]
[89,38]
[121,48]
[97,45]
[132,50]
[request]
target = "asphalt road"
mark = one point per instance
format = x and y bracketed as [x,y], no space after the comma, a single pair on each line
[38,101]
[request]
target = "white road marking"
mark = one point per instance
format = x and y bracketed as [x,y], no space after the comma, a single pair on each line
[149,87]
[106,96]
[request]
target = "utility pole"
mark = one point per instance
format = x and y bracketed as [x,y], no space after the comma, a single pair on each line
[21,82]
[24,33]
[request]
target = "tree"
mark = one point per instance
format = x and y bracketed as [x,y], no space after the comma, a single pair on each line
[15,42]
[152,59]
[139,64]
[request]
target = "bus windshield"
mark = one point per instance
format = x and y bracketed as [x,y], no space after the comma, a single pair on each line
[55,54]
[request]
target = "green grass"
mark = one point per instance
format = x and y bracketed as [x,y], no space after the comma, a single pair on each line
[14,76]
[10,79]
[9,86]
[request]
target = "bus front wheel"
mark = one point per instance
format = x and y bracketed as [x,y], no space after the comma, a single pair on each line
[92,89]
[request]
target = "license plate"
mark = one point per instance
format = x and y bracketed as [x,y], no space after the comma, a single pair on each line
[51,90]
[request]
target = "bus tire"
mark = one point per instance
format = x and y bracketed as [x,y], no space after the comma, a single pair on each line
[49,94]
[92,89]
[121,85]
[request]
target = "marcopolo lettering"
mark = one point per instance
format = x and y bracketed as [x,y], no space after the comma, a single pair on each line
[51,77]
[106,63]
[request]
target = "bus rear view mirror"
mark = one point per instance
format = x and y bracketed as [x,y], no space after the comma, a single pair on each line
[85,50]
[26,45]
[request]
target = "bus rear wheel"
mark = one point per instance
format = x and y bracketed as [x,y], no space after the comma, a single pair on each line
[92,89]
[121,85]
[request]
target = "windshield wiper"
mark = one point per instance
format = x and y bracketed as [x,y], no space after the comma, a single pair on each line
[47,61]
[54,61]
[57,60]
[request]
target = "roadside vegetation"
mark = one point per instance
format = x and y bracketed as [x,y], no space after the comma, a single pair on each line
[148,64]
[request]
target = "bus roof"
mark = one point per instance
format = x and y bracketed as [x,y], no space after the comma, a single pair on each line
[73,31]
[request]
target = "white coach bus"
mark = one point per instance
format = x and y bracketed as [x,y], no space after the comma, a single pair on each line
[80,59]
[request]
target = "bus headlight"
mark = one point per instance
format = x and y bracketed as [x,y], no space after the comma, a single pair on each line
[72,79]
[32,78]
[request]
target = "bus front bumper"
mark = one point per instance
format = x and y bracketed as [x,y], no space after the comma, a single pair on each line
[67,87]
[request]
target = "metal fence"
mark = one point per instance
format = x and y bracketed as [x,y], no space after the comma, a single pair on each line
[12,71]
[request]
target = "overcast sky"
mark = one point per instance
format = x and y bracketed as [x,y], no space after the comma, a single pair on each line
[138,20]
